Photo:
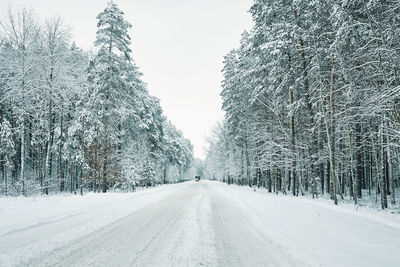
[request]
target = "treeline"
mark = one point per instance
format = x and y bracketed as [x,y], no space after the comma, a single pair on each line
[72,120]
[312,101]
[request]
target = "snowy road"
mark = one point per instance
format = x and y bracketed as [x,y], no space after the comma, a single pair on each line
[198,224]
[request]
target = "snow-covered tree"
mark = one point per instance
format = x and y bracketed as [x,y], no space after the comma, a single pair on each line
[73,120]
[311,100]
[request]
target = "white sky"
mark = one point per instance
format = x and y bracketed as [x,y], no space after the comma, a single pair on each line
[178,44]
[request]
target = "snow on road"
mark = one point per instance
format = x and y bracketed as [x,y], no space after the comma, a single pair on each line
[193,224]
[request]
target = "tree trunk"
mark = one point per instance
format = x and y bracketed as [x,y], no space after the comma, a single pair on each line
[352,182]
[331,136]
[393,197]
[359,168]
[22,171]
[49,144]
[60,159]
[105,150]
[383,166]
[292,130]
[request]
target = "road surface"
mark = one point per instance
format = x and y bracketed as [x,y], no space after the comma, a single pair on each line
[207,224]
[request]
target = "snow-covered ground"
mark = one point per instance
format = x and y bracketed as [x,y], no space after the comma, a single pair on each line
[194,224]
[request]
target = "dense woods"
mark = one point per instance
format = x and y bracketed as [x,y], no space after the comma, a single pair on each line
[71,120]
[312,101]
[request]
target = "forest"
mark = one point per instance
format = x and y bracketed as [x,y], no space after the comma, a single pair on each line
[312,99]
[74,120]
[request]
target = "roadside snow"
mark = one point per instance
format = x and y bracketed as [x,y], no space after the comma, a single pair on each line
[332,235]
[18,213]
[29,226]
[194,224]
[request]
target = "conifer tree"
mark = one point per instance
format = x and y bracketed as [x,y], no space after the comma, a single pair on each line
[110,68]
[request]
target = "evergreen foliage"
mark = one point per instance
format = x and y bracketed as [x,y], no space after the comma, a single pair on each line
[311,99]
[73,121]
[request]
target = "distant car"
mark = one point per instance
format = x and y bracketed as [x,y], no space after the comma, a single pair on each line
[197,178]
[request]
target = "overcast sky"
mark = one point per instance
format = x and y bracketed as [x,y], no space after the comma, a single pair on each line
[178,44]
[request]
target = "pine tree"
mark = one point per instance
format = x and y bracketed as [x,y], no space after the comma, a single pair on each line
[110,68]
[313,88]
[7,152]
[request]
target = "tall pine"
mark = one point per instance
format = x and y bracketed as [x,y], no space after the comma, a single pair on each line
[108,76]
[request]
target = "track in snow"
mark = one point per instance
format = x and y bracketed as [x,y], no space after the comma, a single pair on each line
[207,224]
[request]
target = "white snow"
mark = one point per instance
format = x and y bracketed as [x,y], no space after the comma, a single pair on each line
[35,226]
[194,224]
